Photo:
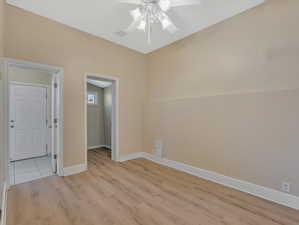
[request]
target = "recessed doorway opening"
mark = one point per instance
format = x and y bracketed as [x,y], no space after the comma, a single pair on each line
[101,112]
[34,119]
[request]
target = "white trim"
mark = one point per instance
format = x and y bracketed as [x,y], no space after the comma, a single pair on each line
[60,151]
[132,156]
[99,83]
[115,113]
[99,146]
[94,147]
[6,81]
[4,204]
[71,170]
[244,186]
[29,84]
[29,65]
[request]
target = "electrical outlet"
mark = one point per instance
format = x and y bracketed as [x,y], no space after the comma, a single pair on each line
[286,187]
[159,148]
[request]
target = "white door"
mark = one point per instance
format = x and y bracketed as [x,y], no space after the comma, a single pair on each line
[28,115]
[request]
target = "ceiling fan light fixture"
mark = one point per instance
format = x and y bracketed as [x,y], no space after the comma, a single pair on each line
[150,12]
[165,23]
[136,13]
[142,25]
[164,5]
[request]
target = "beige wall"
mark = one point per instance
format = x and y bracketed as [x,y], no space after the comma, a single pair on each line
[1,28]
[227,99]
[34,38]
[95,118]
[1,98]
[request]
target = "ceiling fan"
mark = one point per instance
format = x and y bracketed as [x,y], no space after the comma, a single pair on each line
[150,12]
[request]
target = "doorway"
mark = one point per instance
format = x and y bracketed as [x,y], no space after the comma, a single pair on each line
[101,112]
[29,139]
[34,118]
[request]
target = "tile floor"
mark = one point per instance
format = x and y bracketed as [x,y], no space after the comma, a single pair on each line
[30,169]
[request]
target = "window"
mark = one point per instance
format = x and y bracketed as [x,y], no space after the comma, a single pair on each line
[92,98]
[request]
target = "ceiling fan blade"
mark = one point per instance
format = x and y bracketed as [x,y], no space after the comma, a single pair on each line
[168,25]
[172,28]
[134,2]
[176,3]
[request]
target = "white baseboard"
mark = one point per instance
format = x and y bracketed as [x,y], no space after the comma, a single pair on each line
[244,186]
[71,170]
[131,156]
[94,147]
[4,204]
[98,146]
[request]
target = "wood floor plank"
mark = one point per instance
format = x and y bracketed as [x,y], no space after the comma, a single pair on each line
[137,192]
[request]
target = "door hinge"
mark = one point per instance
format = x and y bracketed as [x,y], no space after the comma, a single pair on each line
[56,123]
[46,147]
[55,85]
[55,156]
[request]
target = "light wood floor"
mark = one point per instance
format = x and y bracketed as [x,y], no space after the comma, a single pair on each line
[137,192]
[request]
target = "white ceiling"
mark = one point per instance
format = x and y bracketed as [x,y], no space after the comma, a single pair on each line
[105,17]
[99,83]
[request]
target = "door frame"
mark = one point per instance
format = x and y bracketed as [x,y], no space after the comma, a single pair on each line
[47,132]
[56,71]
[114,116]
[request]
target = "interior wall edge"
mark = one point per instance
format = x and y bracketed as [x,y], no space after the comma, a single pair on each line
[4,204]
